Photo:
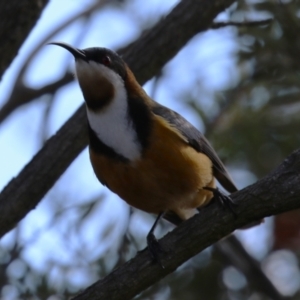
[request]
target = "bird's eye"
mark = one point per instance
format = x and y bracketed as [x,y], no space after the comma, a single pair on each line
[106,60]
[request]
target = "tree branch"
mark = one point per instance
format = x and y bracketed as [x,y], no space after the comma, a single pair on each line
[22,94]
[157,46]
[14,30]
[276,193]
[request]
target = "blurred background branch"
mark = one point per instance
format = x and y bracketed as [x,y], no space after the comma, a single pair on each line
[14,30]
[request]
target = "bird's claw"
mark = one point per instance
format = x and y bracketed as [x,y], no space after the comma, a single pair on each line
[154,248]
[225,200]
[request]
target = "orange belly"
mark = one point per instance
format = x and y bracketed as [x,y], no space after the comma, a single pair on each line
[169,176]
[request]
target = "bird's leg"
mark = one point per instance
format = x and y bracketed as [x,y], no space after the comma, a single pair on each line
[226,201]
[153,245]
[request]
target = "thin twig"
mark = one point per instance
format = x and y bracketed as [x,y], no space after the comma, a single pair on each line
[217,25]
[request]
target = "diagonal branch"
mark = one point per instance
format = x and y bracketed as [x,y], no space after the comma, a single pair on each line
[157,46]
[17,18]
[276,193]
[22,94]
[233,252]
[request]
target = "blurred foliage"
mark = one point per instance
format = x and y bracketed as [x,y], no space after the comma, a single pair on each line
[260,122]
[253,124]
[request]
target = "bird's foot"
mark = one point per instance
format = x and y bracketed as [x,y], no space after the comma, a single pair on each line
[225,200]
[154,248]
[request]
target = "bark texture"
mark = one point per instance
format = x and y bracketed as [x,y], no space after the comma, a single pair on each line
[17,18]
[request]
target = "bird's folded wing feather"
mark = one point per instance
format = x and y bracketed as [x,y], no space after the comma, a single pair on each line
[196,140]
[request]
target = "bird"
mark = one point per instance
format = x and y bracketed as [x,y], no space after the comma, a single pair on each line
[146,153]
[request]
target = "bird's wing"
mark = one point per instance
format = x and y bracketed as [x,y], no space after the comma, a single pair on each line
[196,140]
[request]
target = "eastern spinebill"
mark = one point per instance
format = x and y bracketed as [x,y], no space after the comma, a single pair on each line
[146,153]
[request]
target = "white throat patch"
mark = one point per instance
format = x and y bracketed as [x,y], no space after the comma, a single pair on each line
[112,125]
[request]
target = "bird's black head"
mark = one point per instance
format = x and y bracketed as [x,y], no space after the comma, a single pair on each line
[99,55]
[107,58]
[101,74]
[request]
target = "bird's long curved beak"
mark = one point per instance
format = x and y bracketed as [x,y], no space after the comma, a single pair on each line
[77,53]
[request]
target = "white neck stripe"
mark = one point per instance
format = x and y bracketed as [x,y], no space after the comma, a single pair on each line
[112,125]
